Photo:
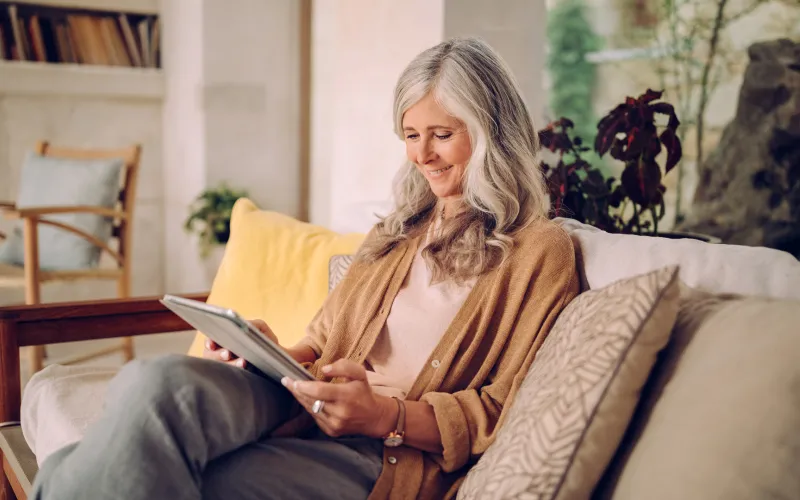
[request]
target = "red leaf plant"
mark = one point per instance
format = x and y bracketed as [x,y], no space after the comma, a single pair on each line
[629,133]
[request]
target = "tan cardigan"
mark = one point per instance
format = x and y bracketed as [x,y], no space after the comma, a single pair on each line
[484,354]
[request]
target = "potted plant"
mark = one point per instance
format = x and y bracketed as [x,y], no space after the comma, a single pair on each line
[628,133]
[210,217]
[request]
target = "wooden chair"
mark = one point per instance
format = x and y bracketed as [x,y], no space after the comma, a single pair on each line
[31,277]
[34,325]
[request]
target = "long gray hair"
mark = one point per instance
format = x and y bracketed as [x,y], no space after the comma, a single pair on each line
[503,187]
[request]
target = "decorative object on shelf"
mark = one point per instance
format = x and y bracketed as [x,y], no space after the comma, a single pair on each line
[629,133]
[210,216]
[65,34]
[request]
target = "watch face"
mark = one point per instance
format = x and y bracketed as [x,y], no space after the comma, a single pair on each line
[393,441]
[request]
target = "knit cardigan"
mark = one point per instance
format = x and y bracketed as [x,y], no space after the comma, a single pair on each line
[482,357]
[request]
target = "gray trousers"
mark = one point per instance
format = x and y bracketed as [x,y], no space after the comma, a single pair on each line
[180,428]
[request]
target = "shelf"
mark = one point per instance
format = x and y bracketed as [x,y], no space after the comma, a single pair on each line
[128,6]
[80,80]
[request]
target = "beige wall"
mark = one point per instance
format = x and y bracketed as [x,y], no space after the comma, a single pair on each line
[231,113]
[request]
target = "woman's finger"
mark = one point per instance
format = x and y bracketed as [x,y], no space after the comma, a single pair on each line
[346,369]
[324,391]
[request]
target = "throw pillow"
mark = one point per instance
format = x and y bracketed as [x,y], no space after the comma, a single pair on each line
[275,268]
[49,181]
[719,417]
[337,269]
[574,404]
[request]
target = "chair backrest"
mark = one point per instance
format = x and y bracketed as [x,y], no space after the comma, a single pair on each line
[127,193]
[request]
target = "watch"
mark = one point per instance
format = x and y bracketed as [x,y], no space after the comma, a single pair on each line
[395,438]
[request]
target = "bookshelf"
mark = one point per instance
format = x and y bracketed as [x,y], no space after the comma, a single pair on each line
[80,80]
[109,33]
[129,6]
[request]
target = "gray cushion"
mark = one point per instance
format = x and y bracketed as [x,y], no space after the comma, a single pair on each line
[20,457]
[337,268]
[48,181]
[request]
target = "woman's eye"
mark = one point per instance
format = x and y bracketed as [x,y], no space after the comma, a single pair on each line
[445,136]
[412,136]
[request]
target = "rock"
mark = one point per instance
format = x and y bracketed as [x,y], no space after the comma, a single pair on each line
[749,187]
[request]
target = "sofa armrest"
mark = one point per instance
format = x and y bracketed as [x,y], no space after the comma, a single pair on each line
[70,322]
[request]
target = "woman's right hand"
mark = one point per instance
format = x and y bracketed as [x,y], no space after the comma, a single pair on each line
[218,353]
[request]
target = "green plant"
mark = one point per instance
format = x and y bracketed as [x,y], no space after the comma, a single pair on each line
[570,38]
[210,216]
[630,134]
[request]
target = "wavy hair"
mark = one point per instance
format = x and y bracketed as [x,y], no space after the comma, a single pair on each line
[503,187]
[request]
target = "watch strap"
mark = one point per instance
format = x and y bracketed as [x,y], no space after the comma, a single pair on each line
[400,428]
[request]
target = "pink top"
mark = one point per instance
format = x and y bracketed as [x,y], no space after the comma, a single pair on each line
[420,315]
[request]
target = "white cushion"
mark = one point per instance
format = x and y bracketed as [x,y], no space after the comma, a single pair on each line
[59,403]
[604,258]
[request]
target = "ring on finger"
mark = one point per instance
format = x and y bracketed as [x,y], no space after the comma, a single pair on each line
[317,407]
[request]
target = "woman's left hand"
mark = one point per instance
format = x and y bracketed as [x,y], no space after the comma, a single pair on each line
[351,408]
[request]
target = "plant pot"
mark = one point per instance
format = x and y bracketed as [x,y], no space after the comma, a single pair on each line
[678,235]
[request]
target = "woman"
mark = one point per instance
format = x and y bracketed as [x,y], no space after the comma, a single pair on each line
[419,351]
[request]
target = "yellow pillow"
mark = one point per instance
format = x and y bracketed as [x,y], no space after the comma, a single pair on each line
[275,268]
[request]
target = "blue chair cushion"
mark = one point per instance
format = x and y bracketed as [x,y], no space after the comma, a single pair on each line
[50,181]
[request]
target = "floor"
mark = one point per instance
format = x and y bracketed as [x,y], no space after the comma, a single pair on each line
[145,346]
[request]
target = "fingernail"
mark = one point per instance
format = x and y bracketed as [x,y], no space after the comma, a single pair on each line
[327,368]
[225,354]
[208,344]
[240,363]
[285,381]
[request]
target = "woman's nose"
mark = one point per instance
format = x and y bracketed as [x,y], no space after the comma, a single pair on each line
[425,153]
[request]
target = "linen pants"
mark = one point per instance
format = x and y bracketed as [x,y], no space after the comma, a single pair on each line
[180,428]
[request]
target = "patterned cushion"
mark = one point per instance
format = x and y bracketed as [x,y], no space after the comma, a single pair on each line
[575,403]
[337,268]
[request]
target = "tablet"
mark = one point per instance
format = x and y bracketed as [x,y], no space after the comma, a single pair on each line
[228,329]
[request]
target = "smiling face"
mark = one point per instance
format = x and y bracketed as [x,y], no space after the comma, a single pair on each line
[439,145]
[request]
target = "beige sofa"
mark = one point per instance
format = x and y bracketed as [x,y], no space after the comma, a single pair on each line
[603,258]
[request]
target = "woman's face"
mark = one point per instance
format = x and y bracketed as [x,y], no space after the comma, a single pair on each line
[438,144]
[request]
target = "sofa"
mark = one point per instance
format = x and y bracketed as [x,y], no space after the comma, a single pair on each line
[714,414]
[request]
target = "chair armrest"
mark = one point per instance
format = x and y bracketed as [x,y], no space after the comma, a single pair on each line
[73,321]
[55,323]
[22,213]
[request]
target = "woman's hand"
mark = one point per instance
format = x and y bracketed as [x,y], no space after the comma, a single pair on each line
[218,353]
[351,408]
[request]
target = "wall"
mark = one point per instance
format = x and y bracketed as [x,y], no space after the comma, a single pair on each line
[86,121]
[231,114]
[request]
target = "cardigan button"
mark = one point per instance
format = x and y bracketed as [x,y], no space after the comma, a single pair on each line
[392,460]
[435,363]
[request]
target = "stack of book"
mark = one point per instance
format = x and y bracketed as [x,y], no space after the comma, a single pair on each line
[79,37]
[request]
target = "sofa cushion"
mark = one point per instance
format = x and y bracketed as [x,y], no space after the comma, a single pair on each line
[574,404]
[720,416]
[604,258]
[49,181]
[275,268]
